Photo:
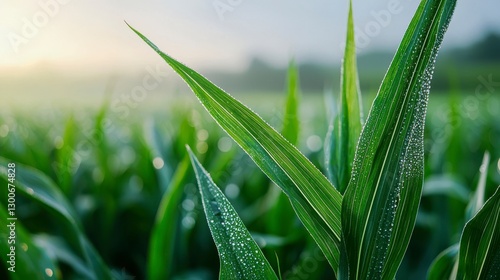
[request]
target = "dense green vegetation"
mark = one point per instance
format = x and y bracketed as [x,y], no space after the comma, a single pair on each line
[102,196]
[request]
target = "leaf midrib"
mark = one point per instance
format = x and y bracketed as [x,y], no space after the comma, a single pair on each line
[413,76]
[268,153]
[489,243]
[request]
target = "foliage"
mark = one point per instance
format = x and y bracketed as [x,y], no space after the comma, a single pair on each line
[128,204]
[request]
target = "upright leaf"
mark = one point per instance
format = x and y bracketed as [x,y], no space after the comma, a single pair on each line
[381,202]
[479,256]
[478,200]
[161,246]
[442,267]
[66,162]
[240,257]
[446,264]
[345,129]
[281,216]
[314,199]
[291,119]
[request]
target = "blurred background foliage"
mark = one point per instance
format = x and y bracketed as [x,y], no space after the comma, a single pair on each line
[115,163]
[114,171]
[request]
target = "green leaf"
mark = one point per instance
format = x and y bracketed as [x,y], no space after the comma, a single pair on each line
[161,246]
[478,200]
[444,264]
[314,199]
[345,129]
[291,120]
[479,256]
[40,189]
[381,202]
[30,261]
[67,161]
[281,217]
[153,138]
[240,257]
[446,185]
[58,249]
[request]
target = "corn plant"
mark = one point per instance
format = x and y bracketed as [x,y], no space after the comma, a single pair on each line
[362,218]
[77,208]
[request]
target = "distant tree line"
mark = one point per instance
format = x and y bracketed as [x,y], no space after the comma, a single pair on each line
[463,65]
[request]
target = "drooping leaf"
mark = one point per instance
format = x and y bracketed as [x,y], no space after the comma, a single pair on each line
[345,129]
[161,246]
[381,202]
[479,256]
[240,257]
[443,266]
[446,185]
[314,199]
[29,261]
[58,249]
[40,189]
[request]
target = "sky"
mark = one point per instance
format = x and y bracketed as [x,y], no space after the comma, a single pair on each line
[91,35]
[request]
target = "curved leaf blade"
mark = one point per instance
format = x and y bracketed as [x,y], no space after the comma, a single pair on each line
[38,188]
[316,202]
[240,256]
[31,262]
[446,185]
[161,245]
[343,134]
[59,250]
[381,202]
[479,256]
[444,264]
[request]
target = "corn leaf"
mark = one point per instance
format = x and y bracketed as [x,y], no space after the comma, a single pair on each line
[57,248]
[479,256]
[291,120]
[30,262]
[444,264]
[240,257]
[40,189]
[281,216]
[345,129]
[381,202]
[478,200]
[158,149]
[161,246]
[447,186]
[314,199]
[67,162]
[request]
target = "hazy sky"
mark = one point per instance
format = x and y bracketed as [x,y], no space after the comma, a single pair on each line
[91,34]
